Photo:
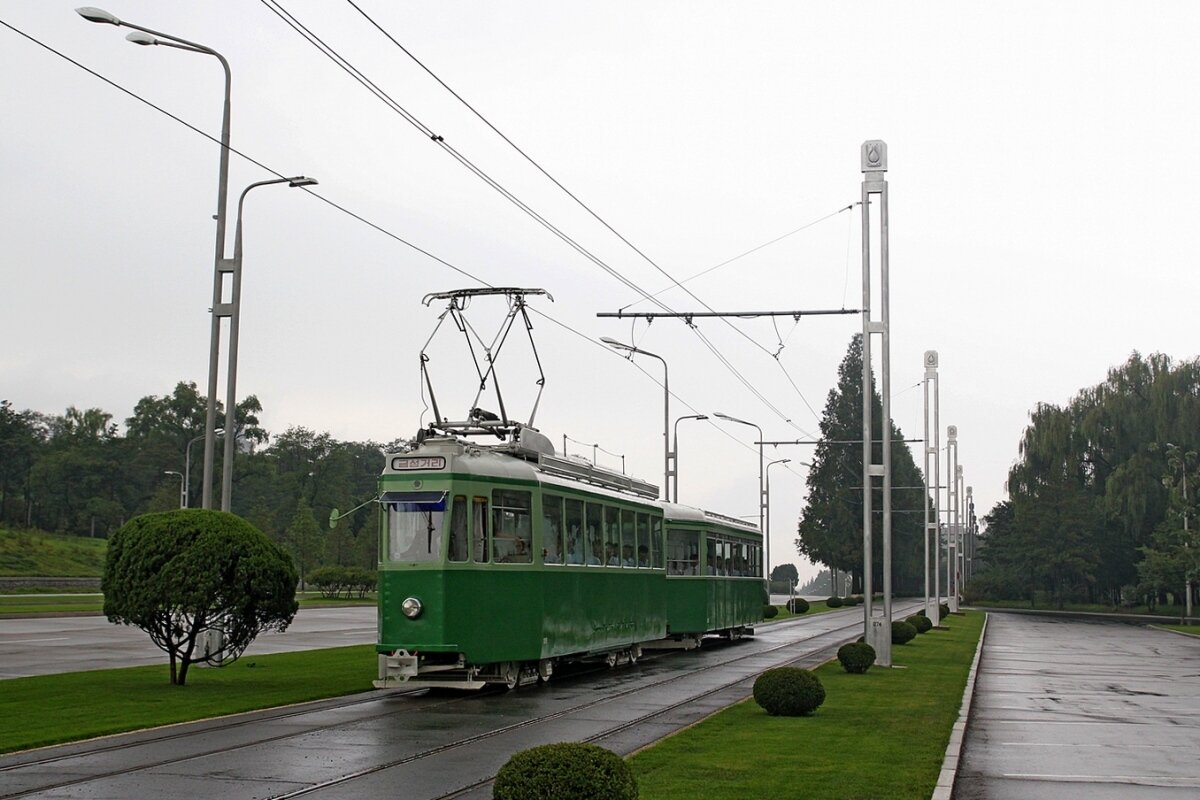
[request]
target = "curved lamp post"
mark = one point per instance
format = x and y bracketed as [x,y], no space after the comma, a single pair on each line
[767,502]
[613,343]
[235,317]
[146,36]
[761,493]
[674,454]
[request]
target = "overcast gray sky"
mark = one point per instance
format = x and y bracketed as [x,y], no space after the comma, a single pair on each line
[1038,231]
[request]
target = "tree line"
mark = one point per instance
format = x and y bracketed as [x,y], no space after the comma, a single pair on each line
[78,473]
[1102,499]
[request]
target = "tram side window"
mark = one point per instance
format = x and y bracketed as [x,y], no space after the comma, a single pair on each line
[479,517]
[552,531]
[741,564]
[656,549]
[460,545]
[576,546]
[594,544]
[683,552]
[415,526]
[629,538]
[512,527]
[643,540]
[710,553]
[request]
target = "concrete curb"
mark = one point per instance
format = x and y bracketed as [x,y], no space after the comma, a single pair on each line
[945,785]
[1177,633]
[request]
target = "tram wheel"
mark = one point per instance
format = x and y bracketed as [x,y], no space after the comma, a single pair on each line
[610,660]
[545,669]
[512,675]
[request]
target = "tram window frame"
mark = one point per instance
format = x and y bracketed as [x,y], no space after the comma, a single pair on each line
[404,512]
[683,542]
[480,548]
[573,517]
[512,514]
[553,530]
[459,532]
[656,542]
[593,527]
[628,554]
[643,541]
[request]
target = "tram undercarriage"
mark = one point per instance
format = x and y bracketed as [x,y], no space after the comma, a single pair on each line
[403,670]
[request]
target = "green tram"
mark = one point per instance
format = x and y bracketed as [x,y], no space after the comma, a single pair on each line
[498,562]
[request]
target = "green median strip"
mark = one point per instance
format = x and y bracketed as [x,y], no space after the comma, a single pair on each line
[49,709]
[881,735]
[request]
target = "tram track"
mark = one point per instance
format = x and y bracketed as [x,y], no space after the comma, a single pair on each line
[419,700]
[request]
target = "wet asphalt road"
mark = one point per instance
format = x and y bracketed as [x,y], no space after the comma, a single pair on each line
[1069,709]
[46,646]
[419,746]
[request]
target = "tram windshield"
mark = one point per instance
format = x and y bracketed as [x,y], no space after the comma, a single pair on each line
[414,522]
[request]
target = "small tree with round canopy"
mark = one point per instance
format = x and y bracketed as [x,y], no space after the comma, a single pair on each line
[179,574]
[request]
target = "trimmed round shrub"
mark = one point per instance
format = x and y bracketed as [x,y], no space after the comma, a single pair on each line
[945,609]
[920,622]
[567,769]
[789,692]
[854,600]
[903,632]
[856,657]
[798,605]
[770,612]
[834,602]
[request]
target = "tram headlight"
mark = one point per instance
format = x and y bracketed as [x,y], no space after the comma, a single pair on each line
[411,607]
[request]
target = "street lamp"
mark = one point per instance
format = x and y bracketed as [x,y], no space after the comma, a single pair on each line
[761,493]
[187,464]
[767,502]
[235,316]
[613,343]
[220,266]
[674,453]
[182,487]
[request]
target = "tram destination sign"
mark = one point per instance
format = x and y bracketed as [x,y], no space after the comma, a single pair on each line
[414,463]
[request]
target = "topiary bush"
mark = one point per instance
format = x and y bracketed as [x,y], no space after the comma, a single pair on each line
[903,632]
[798,605]
[854,600]
[770,612]
[834,602]
[944,608]
[567,769]
[856,657]
[789,692]
[920,622]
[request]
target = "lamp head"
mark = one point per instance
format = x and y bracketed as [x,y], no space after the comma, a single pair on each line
[92,14]
[702,416]
[614,343]
[301,180]
[144,39]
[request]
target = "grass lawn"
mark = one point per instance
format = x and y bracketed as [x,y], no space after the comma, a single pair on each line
[1192,629]
[880,736]
[26,604]
[814,607]
[48,709]
[24,553]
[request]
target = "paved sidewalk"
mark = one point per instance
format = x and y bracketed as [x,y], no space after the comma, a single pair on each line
[1069,709]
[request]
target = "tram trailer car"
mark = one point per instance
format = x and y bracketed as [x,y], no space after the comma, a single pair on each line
[498,562]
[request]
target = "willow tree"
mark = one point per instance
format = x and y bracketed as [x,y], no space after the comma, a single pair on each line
[1087,492]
